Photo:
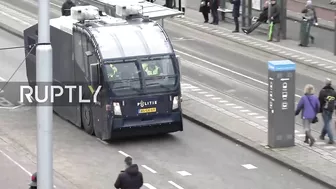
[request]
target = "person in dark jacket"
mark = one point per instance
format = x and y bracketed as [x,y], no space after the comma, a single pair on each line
[261,19]
[214,4]
[33,183]
[327,98]
[131,178]
[235,14]
[275,18]
[309,105]
[205,9]
[66,7]
[310,14]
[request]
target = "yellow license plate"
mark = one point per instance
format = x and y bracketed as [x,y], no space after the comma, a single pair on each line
[147,110]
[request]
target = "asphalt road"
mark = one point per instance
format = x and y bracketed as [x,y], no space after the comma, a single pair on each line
[213,162]
[11,175]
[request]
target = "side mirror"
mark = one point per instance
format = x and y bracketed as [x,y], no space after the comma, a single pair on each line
[88,53]
[94,75]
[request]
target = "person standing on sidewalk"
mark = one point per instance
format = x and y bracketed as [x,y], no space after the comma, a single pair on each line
[327,99]
[205,10]
[310,106]
[214,4]
[310,15]
[236,14]
[275,22]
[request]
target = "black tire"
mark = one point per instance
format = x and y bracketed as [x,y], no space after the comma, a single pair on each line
[87,121]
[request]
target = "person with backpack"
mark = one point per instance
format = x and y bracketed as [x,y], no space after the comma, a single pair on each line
[327,98]
[310,106]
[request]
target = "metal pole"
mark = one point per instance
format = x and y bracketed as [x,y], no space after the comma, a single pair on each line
[44,110]
[249,12]
[243,4]
[283,18]
[180,5]
[269,11]
[335,32]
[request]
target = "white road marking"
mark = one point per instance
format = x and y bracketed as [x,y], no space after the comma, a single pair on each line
[319,143]
[244,110]
[174,184]
[223,101]
[328,67]
[265,120]
[16,163]
[296,131]
[196,89]
[252,113]
[294,56]
[184,173]
[329,147]
[149,169]
[237,107]
[249,166]
[2,79]
[301,135]
[149,186]
[124,154]
[102,141]
[315,62]
[209,95]
[216,98]
[301,58]
[229,104]
[226,69]
[321,64]
[202,92]
[260,117]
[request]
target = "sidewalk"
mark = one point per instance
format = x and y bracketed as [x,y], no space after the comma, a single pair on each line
[317,162]
[288,49]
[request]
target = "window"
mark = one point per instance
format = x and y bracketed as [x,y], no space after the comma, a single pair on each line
[77,44]
[159,72]
[85,58]
[123,76]
[92,59]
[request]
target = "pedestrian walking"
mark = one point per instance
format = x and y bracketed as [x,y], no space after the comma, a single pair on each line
[327,98]
[205,9]
[235,14]
[274,28]
[309,15]
[66,7]
[131,178]
[309,105]
[214,4]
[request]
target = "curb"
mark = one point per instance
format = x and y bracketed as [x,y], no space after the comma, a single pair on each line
[261,150]
[11,30]
[211,32]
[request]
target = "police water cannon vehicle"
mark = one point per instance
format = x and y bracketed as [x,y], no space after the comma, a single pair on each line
[129,58]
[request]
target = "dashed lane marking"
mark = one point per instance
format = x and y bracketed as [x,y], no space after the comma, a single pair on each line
[149,169]
[249,166]
[301,135]
[223,101]
[174,184]
[237,107]
[209,95]
[230,104]
[149,186]
[124,154]
[244,110]
[216,98]
[260,117]
[319,143]
[296,131]
[252,113]
[184,173]
[202,92]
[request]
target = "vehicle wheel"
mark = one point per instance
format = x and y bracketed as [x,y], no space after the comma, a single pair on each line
[87,122]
